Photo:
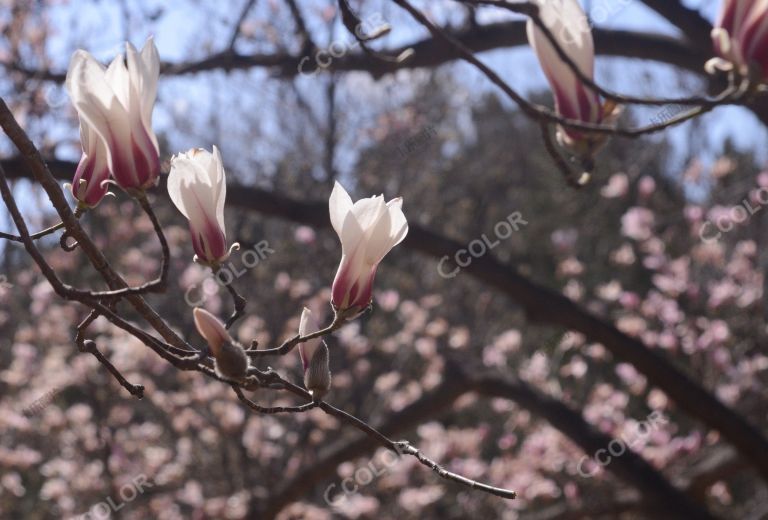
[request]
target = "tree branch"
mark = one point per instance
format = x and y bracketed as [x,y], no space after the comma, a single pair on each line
[631,467]
[694,26]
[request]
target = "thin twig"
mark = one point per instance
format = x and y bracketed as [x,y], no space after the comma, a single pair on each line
[400,447]
[406,448]
[403,447]
[90,346]
[538,112]
[240,19]
[35,236]
[238,300]
[274,409]
[158,284]
[307,43]
[532,11]
[289,344]
[45,232]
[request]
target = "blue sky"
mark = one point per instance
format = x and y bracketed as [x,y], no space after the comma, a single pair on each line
[178,36]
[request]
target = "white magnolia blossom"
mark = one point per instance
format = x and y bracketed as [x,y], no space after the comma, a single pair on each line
[740,37]
[197,186]
[568,24]
[115,106]
[368,230]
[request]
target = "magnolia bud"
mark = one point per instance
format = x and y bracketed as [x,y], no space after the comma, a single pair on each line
[197,186]
[231,362]
[314,358]
[229,358]
[317,376]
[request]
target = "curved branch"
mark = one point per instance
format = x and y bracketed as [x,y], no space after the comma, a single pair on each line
[694,26]
[431,52]
[630,467]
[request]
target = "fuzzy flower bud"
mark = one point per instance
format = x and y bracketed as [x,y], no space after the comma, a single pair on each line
[230,360]
[314,358]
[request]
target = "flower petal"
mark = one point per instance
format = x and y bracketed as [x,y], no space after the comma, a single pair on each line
[95,100]
[368,212]
[399,226]
[380,240]
[308,325]
[219,182]
[339,205]
[567,23]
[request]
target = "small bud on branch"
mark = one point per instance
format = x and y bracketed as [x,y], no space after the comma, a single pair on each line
[230,360]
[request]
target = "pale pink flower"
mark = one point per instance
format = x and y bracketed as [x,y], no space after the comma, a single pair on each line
[197,186]
[368,230]
[566,20]
[115,108]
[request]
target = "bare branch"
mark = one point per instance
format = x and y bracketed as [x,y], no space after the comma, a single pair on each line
[237,299]
[159,284]
[87,345]
[289,344]
[238,24]
[274,409]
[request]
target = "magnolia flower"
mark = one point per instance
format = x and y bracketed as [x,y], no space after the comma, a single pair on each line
[88,185]
[573,99]
[740,37]
[115,107]
[368,229]
[229,358]
[314,357]
[198,187]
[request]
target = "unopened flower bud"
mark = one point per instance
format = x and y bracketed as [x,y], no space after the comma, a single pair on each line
[197,186]
[229,358]
[314,358]
[573,98]
[317,377]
